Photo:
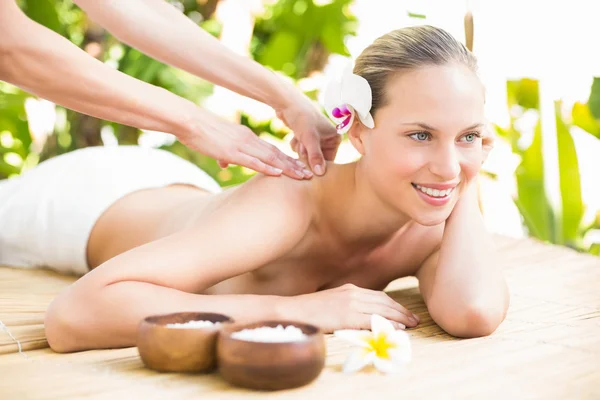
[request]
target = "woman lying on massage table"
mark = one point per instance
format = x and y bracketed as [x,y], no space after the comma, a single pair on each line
[319,251]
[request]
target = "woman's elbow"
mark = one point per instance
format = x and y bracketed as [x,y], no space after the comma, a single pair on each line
[476,319]
[62,326]
[477,322]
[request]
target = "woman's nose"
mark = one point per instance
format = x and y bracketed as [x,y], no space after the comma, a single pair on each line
[445,164]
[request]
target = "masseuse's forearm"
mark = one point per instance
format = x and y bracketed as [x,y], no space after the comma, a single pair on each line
[81,319]
[46,64]
[469,277]
[161,31]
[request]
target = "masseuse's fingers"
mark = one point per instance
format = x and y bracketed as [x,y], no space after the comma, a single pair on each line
[270,155]
[314,153]
[302,153]
[263,157]
[230,143]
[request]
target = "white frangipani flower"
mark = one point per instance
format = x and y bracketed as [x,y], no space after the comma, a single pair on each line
[383,346]
[346,96]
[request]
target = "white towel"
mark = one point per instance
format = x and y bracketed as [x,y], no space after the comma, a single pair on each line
[47,214]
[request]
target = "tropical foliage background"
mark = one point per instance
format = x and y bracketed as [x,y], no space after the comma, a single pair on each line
[295,38]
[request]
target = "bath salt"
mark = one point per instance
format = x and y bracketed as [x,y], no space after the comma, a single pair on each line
[268,334]
[193,324]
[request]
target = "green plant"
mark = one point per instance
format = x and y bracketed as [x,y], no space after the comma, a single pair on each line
[297,36]
[561,224]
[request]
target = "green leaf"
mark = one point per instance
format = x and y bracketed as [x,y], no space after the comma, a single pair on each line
[140,66]
[523,92]
[150,71]
[44,12]
[583,118]
[415,15]
[13,118]
[501,132]
[570,185]
[7,169]
[594,101]
[15,103]
[531,196]
[333,39]
[511,135]
[281,49]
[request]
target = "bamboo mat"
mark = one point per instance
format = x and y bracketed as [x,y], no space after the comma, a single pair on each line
[547,348]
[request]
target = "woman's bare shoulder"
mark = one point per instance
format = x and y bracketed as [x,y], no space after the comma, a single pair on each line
[294,192]
[270,198]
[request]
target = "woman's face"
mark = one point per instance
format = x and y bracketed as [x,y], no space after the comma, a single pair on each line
[426,145]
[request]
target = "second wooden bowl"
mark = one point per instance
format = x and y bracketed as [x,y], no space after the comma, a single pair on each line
[270,365]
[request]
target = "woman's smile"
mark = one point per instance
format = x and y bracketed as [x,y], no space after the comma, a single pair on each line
[435,194]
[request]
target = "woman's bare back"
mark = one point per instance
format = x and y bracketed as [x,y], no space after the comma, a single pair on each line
[319,261]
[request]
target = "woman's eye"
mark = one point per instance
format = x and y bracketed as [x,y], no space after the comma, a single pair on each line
[471,137]
[420,136]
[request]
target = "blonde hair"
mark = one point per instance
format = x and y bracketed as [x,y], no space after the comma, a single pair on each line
[408,49]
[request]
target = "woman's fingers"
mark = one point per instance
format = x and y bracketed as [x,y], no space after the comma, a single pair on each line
[387,300]
[388,313]
[383,300]
[363,321]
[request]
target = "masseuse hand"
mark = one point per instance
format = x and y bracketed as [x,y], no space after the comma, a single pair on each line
[315,140]
[231,143]
[347,307]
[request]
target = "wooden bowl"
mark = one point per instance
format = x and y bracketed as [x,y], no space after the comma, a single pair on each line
[168,349]
[270,366]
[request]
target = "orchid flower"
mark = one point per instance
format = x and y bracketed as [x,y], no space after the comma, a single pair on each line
[346,96]
[383,346]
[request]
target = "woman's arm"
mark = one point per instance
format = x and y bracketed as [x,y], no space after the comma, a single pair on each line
[163,32]
[258,224]
[462,283]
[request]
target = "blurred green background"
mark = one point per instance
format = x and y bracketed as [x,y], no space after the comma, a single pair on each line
[296,39]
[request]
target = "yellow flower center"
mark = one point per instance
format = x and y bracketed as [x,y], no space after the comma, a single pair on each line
[380,345]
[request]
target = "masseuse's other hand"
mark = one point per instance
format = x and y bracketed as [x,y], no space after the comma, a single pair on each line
[231,143]
[347,307]
[315,138]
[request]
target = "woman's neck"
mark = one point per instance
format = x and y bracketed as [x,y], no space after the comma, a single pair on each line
[351,209]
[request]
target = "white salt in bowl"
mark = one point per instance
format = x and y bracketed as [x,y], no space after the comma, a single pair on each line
[180,342]
[270,355]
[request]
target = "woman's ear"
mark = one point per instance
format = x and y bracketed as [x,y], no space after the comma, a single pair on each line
[356,136]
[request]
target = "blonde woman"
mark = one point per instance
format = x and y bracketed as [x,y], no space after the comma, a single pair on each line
[319,251]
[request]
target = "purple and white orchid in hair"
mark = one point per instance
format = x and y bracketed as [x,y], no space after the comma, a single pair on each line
[347,96]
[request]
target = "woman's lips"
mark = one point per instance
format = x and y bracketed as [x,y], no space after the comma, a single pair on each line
[435,195]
